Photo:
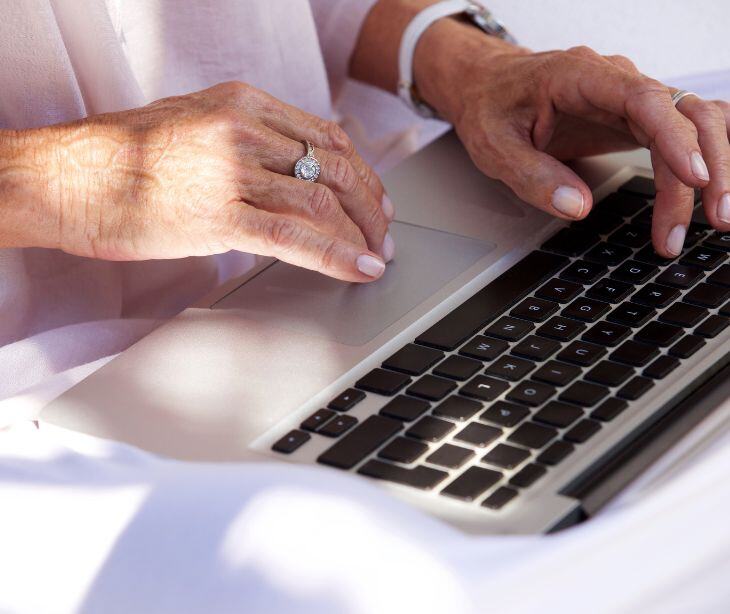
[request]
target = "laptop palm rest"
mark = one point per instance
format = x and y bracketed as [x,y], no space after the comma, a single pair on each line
[353,314]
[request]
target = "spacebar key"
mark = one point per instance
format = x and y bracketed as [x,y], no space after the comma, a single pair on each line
[492,300]
[360,442]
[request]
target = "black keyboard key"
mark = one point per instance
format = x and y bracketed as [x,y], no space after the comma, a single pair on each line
[600,221]
[510,329]
[477,434]
[582,353]
[559,290]
[464,321]
[383,382]
[561,329]
[719,240]
[644,217]
[555,453]
[291,442]
[557,373]
[450,456]
[659,334]
[505,414]
[346,400]
[413,359]
[585,309]
[610,373]
[483,388]
[707,295]
[528,475]
[404,408]
[339,425]
[655,296]
[570,242]
[721,277]
[631,235]
[695,234]
[359,442]
[680,276]
[661,367]
[531,435]
[606,333]
[631,314]
[700,219]
[635,388]
[623,204]
[609,409]
[403,450]
[705,258]
[584,272]
[499,498]
[687,346]
[558,414]
[643,186]
[317,419]
[484,348]
[430,429]
[535,309]
[458,368]
[457,408]
[648,255]
[530,393]
[431,388]
[536,348]
[423,478]
[610,291]
[507,457]
[510,368]
[725,309]
[683,314]
[583,431]
[634,353]
[712,326]
[585,394]
[608,254]
[634,272]
[472,483]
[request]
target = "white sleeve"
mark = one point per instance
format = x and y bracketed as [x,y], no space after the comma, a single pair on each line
[338,26]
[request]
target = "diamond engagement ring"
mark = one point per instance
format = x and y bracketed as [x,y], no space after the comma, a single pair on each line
[307,168]
[679,94]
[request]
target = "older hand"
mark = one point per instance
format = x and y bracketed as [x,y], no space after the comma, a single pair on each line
[206,173]
[519,114]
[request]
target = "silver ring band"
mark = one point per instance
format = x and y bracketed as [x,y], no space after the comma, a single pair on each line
[307,168]
[679,94]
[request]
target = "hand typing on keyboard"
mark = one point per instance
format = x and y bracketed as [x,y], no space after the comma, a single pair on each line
[520,114]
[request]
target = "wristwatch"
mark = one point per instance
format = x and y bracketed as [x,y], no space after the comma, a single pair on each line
[478,14]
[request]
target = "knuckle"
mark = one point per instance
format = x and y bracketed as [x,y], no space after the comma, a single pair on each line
[623,62]
[337,139]
[322,202]
[646,86]
[710,113]
[342,173]
[582,52]
[281,232]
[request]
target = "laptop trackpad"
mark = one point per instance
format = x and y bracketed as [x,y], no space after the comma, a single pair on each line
[307,302]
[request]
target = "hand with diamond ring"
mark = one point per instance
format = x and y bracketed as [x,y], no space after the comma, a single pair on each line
[195,175]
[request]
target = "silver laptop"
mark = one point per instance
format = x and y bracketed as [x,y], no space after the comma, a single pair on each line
[508,374]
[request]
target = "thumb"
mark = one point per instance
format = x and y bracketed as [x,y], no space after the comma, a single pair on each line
[537,177]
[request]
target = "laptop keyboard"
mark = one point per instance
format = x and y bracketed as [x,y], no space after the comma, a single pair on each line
[491,398]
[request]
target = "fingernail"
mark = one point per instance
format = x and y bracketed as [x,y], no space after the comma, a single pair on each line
[675,240]
[723,208]
[388,208]
[388,247]
[699,168]
[370,266]
[568,201]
